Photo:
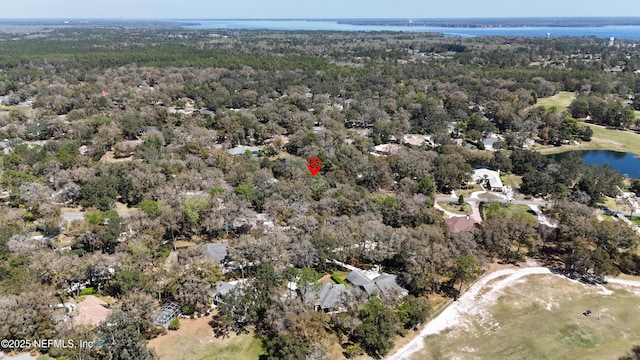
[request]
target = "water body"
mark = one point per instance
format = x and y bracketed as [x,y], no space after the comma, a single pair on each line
[618,32]
[622,162]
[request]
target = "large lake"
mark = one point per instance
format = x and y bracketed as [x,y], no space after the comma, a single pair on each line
[624,163]
[618,32]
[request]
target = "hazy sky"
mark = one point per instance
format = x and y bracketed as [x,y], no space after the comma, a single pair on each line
[314,8]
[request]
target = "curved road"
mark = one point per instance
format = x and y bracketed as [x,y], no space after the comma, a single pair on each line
[469,303]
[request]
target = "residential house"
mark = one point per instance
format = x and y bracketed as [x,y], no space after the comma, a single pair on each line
[489,178]
[217,291]
[242,149]
[217,251]
[384,285]
[417,140]
[489,141]
[460,223]
[328,298]
[387,149]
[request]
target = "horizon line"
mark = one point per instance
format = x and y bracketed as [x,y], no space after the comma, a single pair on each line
[326,18]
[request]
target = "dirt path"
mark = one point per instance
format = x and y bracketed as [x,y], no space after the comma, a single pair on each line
[478,297]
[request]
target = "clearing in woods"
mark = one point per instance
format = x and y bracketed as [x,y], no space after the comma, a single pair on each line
[560,101]
[195,340]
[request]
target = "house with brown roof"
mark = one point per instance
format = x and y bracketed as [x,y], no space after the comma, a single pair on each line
[460,223]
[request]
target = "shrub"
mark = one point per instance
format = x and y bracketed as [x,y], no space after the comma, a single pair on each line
[154,332]
[174,324]
[338,280]
[87,291]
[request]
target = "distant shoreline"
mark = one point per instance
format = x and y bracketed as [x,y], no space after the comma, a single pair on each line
[464,23]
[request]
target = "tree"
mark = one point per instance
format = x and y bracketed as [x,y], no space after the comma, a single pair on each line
[634,354]
[286,347]
[450,171]
[120,340]
[579,108]
[467,268]
[413,311]
[150,207]
[378,328]
[100,192]
[537,183]
[192,209]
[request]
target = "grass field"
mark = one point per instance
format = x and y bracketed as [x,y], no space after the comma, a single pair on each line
[453,207]
[615,204]
[195,341]
[541,317]
[560,101]
[506,210]
[512,180]
[602,139]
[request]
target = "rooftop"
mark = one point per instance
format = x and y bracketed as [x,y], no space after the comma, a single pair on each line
[460,224]
[217,251]
[327,298]
[493,177]
[241,149]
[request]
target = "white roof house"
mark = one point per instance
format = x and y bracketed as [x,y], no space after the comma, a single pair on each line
[387,148]
[241,149]
[490,177]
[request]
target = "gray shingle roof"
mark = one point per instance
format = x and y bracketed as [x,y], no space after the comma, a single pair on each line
[386,284]
[329,297]
[218,251]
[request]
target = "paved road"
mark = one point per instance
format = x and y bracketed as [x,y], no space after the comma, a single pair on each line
[503,201]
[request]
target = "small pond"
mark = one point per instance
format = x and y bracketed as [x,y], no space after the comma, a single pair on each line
[622,162]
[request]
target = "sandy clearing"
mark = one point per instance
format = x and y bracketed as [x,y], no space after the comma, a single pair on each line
[479,297]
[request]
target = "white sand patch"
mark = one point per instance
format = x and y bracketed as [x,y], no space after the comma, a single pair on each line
[624,282]
[604,290]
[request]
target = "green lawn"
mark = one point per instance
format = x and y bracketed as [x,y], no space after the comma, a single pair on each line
[634,219]
[195,341]
[506,210]
[453,207]
[614,204]
[512,180]
[542,318]
[560,101]
[603,139]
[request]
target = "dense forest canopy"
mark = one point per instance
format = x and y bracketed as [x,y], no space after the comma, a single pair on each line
[133,128]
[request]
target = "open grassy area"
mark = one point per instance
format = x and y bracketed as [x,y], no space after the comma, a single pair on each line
[195,341]
[511,180]
[453,207]
[541,318]
[560,101]
[602,139]
[506,210]
[615,204]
